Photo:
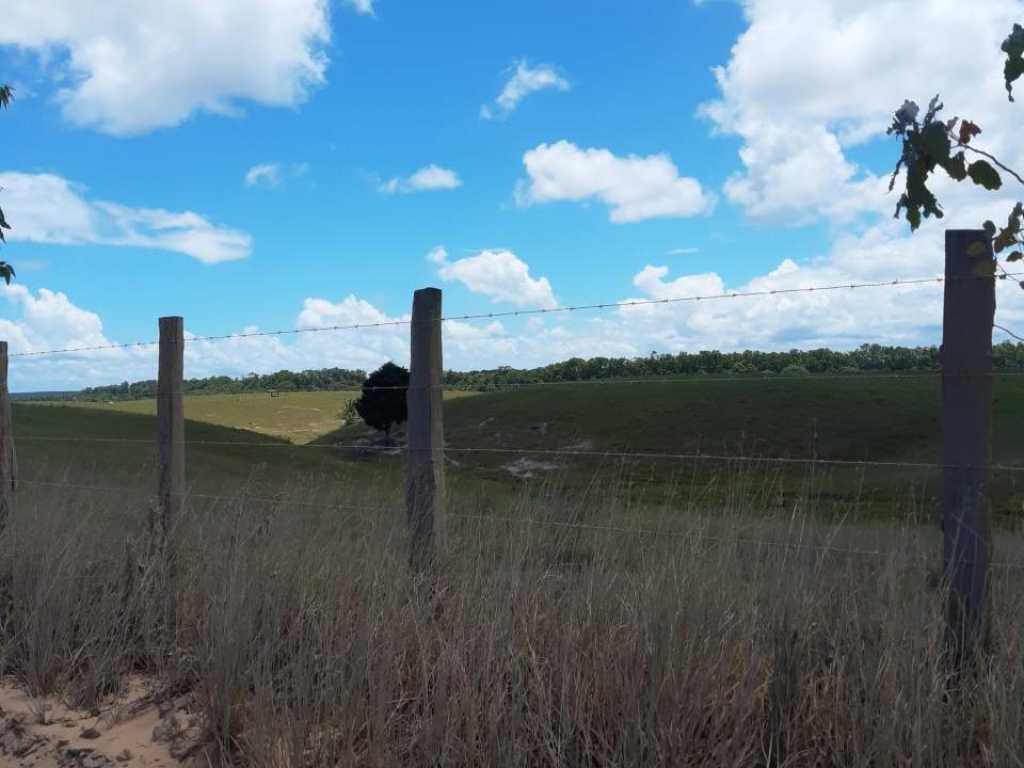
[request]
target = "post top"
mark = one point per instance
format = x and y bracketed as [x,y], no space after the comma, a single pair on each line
[428,290]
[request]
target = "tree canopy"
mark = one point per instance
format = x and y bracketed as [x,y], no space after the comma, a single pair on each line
[382,404]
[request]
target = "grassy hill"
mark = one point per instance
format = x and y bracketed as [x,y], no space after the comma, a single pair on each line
[288,439]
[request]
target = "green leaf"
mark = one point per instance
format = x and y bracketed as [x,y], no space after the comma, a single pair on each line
[977,249]
[956,167]
[990,228]
[6,272]
[936,142]
[1015,256]
[3,221]
[984,175]
[1008,235]
[1013,47]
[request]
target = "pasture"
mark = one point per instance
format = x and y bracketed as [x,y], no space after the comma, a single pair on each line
[593,609]
[563,434]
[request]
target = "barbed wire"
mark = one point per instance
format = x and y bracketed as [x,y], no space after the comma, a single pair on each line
[520,313]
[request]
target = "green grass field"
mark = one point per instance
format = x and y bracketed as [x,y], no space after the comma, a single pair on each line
[290,438]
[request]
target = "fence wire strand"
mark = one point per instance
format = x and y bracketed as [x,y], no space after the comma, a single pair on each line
[515,313]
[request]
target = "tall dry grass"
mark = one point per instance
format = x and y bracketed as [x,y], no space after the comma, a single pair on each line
[709,640]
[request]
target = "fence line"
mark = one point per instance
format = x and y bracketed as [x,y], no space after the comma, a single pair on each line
[528,312]
[968,325]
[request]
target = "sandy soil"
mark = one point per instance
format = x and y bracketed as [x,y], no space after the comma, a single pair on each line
[131,731]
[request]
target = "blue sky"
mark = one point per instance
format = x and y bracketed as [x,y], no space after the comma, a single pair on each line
[630,156]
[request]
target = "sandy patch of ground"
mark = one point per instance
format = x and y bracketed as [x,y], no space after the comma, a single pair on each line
[131,731]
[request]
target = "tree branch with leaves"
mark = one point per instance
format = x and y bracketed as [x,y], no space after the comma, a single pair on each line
[6,270]
[929,143]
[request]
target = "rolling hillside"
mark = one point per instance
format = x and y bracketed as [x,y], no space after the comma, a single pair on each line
[874,419]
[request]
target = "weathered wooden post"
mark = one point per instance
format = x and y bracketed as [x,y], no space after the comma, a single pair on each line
[8,469]
[966,356]
[425,477]
[171,446]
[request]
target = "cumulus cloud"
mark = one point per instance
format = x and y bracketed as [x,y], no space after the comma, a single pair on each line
[841,319]
[272,174]
[807,81]
[428,178]
[45,208]
[523,81]
[635,188]
[500,275]
[126,68]
[48,320]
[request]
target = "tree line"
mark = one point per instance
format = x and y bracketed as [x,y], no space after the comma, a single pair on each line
[868,358]
[281,381]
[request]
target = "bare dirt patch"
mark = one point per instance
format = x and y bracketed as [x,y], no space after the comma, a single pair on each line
[131,731]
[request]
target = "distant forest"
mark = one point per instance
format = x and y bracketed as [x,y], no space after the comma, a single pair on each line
[868,358]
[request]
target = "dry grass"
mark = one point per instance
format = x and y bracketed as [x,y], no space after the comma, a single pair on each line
[307,641]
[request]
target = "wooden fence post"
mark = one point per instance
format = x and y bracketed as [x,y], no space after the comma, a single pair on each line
[171,430]
[966,356]
[425,476]
[8,470]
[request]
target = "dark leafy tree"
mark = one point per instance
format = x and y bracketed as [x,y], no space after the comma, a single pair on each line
[929,143]
[6,270]
[382,404]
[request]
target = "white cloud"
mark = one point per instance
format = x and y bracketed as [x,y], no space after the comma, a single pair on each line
[437,255]
[806,81]
[429,178]
[500,275]
[636,188]
[523,81]
[268,174]
[364,7]
[126,67]
[840,319]
[48,320]
[682,251]
[272,174]
[45,208]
